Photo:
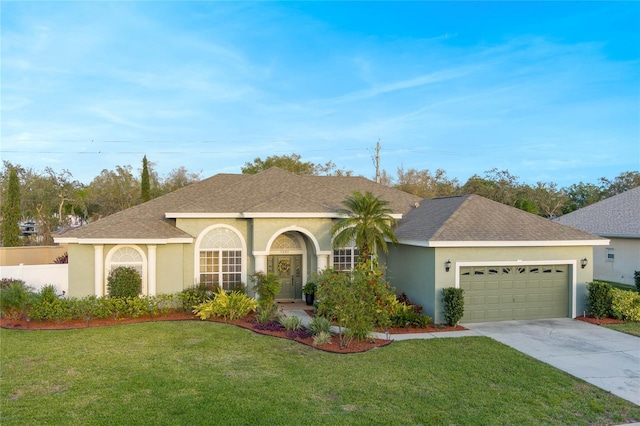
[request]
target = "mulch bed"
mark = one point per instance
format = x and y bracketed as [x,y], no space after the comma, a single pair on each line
[247,322]
[599,321]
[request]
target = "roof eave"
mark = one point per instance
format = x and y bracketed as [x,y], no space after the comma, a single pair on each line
[99,241]
[559,243]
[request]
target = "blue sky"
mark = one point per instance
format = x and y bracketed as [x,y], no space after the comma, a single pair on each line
[548,90]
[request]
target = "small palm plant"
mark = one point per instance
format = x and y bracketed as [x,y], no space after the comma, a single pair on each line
[367,221]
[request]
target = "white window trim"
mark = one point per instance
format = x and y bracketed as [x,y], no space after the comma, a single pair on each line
[196,252]
[107,266]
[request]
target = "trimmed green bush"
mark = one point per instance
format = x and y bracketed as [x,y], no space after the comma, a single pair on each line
[124,281]
[193,296]
[625,304]
[599,299]
[453,304]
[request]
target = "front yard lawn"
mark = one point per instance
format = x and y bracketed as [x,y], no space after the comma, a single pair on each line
[632,328]
[170,373]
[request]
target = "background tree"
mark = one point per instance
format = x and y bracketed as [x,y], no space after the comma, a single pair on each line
[367,221]
[424,184]
[178,178]
[621,183]
[113,191]
[293,164]
[11,212]
[145,184]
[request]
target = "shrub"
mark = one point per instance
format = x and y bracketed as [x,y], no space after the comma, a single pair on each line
[196,295]
[47,305]
[599,299]
[406,316]
[15,296]
[453,304]
[322,338]
[228,306]
[267,286]
[291,323]
[62,259]
[359,302]
[625,304]
[124,281]
[264,314]
[319,325]
[636,278]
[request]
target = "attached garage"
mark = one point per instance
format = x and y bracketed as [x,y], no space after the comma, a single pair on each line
[501,293]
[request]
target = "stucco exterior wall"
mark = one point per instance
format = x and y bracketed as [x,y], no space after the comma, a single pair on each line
[625,262]
[81,270]
[409,269]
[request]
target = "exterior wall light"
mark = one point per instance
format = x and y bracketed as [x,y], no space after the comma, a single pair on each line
[447,265]
[583,263]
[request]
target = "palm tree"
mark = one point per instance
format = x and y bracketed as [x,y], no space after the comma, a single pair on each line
[368,221]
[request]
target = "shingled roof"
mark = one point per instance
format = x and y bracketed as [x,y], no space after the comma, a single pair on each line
[617,216]
[271,192]
[472,220]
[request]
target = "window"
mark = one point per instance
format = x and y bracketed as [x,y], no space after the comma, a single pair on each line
[221,259]
[345,259]
[610,255]
[128,257]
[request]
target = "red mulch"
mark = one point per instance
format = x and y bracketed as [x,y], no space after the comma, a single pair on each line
[431,328]
[599,321]
[22,324]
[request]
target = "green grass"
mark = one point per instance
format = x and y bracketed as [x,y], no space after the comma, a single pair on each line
[632,328]
[184,373]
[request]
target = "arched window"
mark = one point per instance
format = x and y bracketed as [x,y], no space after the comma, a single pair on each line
[220,254]
[128,256]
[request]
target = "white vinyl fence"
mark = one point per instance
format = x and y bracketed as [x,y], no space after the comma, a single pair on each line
[37,276]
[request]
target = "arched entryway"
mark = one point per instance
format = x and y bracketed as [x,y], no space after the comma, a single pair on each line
[288,259]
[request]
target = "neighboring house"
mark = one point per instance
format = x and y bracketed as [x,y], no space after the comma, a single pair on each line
[223,229]
[618,219]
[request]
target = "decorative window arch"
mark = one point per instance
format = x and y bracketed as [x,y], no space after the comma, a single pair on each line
[128,256]
[220,257]
[287,241]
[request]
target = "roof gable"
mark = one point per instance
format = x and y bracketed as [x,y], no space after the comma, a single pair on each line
[472,218]
[617,216]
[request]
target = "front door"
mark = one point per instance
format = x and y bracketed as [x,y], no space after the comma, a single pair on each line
[288,269]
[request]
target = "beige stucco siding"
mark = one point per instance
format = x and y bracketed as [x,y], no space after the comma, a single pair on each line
[625,262]
[170,262]
[265,229]
[81,270]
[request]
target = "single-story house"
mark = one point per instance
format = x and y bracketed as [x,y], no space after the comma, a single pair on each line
[225,228]
[618,219]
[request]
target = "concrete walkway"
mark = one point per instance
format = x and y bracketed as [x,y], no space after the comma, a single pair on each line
[605,358]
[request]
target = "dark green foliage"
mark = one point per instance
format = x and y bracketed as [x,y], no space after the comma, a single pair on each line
[358,302]
[310,288]
[410,318]
[599,299]
[124,281]
[267,286]
[15,299]
[194,296]
[11,212]
[145,183]
[453,304]
[636,278]
[47,306]
[6,282]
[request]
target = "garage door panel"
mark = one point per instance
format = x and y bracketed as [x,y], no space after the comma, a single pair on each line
[505,293]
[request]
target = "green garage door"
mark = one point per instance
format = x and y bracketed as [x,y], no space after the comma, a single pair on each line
[500,293]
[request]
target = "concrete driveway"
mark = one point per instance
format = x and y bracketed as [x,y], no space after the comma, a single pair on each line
[605,358]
